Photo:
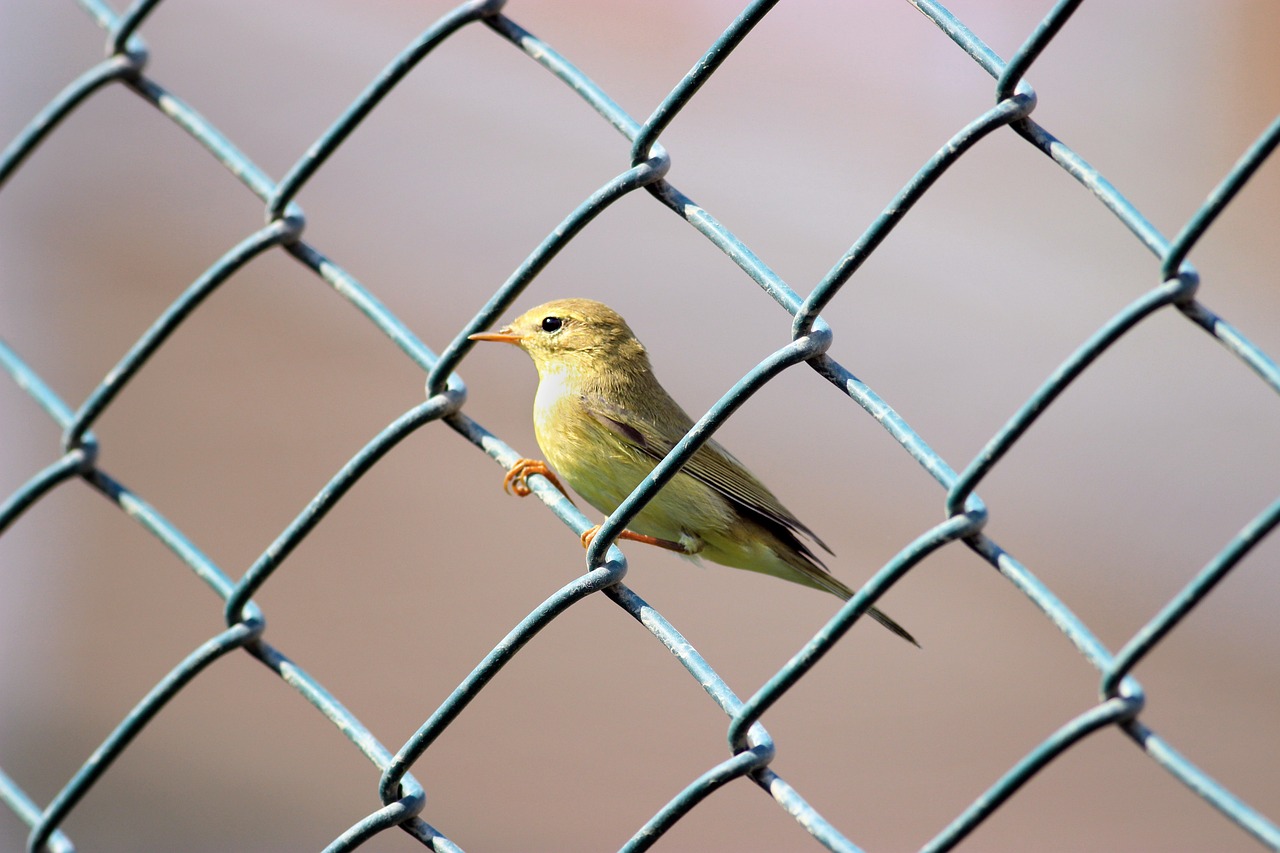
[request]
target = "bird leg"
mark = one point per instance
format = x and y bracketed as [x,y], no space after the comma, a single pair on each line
[517,480]
[637,537]
[516,483]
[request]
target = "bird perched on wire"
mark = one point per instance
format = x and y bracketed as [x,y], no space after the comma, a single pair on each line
[604,422]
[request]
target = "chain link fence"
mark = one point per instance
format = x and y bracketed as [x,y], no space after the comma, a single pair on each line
[646,169]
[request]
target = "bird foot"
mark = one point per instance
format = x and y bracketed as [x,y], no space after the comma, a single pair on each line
[516,482]
[637,537]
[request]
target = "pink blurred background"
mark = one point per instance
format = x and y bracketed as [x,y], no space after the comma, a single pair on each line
[1133,480]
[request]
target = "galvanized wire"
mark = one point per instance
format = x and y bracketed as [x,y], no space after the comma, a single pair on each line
[751,749]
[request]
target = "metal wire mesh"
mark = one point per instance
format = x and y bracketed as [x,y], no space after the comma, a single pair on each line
[1120,705]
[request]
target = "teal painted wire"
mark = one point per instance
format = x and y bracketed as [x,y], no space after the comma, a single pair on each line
[1231,806]
[701,72]
[168,535]
[30,382]
[277,233]
[757,740]
[1049,604]
[1234,341]
[1181,604]
[447,393]
[1000,115]
[45,827]
[102,14]
[573,77]
[124,63]
[1066,373]
[75,462]
[1064,156]
[274,234]
[1179,291]
[270,560]
[737,251]
[1222,194]
[133,55]
[831,633]
[1108,713]
[571,226]
[110,70]
[682,205]
[69,465]
[132,725]
[346,286]
[968,41]
[126,25]
[694,663]
[910,441]
[429,836]
[802,812]
[89,773]
[506,456]
[639,175]
[1093,181]
[568,595]
[1174,255]
[1011,77]
[393,814]
[789,355]
[223,151]
[1128,692]
[404,62]
[29,813]
[399,809]
[704,786]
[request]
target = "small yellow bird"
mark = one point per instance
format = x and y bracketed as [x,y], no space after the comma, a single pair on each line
[604,422]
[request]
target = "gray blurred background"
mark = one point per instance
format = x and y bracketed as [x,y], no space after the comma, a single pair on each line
[1134,479]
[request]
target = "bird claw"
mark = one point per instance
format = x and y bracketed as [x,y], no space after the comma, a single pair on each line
[516,482]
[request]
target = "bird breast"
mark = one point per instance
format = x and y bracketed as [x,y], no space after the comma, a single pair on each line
[595,462]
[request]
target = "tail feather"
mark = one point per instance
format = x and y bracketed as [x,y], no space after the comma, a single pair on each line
[797,562]
[817,576]
[878,615]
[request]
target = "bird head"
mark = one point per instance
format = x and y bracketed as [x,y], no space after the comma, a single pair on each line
[578,335]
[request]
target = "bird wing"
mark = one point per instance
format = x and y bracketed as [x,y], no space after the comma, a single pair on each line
[711,464]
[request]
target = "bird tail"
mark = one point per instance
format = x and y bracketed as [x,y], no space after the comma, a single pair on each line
[817,576]
[879,615]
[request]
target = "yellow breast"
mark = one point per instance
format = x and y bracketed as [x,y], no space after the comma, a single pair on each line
[604,468]
[594,461]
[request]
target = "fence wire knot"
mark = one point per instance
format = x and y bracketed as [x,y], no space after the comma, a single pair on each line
[643,163]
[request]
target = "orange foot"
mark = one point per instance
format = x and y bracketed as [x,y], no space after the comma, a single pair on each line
[517,480]
[636,537]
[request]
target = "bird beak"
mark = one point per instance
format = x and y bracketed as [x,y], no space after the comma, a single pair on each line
[503,336]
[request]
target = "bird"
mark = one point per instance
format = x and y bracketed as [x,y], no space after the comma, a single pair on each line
[604,421]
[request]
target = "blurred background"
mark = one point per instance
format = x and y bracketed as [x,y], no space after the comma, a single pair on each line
[1122,491]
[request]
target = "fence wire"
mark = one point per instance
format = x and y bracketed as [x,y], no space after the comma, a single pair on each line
[752,750]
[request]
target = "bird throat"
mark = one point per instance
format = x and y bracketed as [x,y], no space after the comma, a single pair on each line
[555,384]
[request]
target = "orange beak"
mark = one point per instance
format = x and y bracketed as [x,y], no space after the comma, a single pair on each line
[503,336]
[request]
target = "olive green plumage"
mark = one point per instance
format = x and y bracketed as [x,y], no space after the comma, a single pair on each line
[603,421]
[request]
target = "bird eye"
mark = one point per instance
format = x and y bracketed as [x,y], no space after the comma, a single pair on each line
[551,324]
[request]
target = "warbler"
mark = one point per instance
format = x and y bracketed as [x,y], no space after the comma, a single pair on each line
[604,422]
